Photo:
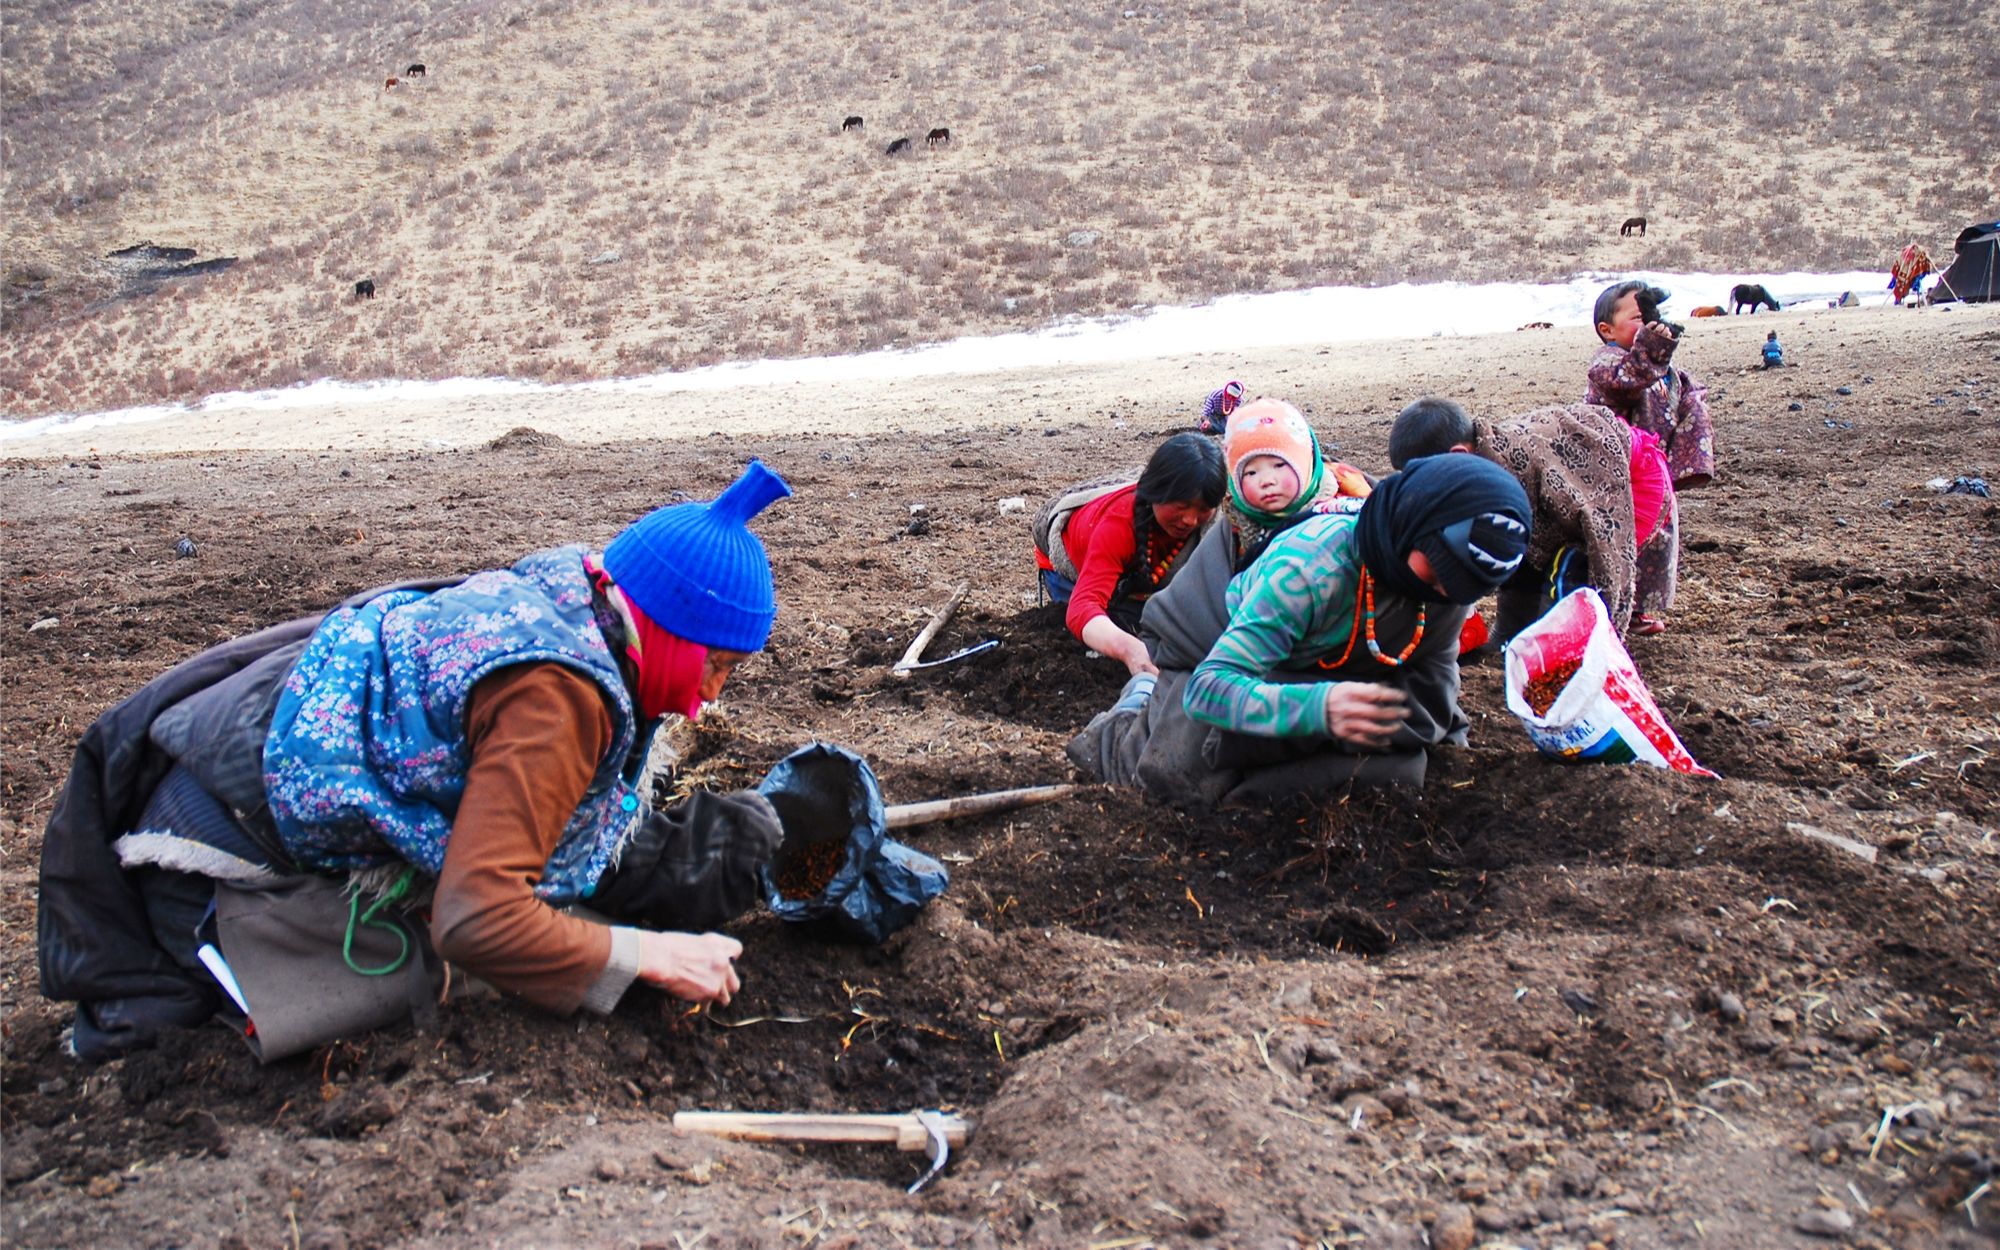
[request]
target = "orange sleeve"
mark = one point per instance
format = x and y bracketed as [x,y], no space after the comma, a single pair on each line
[537,732]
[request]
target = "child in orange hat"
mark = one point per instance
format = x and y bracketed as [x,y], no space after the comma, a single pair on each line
[1277,476]
[1277,479]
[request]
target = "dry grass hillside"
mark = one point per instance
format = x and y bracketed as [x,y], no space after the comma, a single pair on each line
[580,191]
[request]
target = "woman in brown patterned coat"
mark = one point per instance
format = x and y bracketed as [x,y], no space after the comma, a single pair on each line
[1574,463]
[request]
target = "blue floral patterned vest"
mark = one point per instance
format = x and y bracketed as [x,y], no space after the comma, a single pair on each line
[366,757]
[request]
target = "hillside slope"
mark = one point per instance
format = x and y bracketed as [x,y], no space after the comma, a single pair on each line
[585,191]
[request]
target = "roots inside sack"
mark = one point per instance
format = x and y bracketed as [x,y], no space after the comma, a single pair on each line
[1546,686]
[808,869]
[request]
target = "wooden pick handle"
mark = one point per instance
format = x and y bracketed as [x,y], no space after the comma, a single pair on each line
[905,1132]
[903,815]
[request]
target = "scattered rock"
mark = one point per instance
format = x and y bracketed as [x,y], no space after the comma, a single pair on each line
[1843,390]
[610,1170]
[1579,1002]
[632,1049]
[918,526]
[184,549]
[1454,1229]
[1576,1174]
[1013,504]
[1758,1041]
[1689,932]
[611,257]
[47,622]
[1795,406]
[355,1112]
[1081,238]
[1820,1223]
[1352,929]
[1729,1007]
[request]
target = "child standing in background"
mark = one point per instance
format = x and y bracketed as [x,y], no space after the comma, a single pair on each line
[1634,376]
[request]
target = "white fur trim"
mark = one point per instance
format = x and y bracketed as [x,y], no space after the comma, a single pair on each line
[166,850]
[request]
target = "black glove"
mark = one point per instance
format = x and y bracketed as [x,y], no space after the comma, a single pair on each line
[1649,300]
[695,867]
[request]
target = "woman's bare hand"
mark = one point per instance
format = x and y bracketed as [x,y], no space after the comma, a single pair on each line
[699,967]
[1364,714]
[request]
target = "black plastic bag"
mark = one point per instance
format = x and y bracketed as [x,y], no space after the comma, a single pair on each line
[837,866]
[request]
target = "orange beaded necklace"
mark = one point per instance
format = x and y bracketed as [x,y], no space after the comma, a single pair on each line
[1367,597]
[1158,567]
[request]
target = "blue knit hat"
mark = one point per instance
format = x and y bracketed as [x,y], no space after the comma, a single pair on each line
[696,568]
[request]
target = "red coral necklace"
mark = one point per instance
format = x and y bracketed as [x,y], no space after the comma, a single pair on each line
[1358,629]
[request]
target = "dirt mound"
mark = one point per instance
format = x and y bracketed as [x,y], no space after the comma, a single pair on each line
[523,437]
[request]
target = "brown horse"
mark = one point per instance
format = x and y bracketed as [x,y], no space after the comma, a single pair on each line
[1633,225]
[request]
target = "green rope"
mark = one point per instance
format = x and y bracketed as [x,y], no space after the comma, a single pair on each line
[356,918]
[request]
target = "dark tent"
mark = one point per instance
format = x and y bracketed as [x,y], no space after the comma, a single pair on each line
[1975,275]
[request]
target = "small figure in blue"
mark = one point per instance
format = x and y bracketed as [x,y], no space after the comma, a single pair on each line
[1774,354]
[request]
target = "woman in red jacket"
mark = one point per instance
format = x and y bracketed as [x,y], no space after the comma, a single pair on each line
[1106,547]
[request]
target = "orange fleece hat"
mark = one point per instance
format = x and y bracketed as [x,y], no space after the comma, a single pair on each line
[1271,427]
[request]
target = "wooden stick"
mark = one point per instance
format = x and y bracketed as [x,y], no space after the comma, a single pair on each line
[930,630]
[905,1131]
[903,815]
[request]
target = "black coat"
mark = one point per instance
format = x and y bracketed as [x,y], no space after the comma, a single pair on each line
[96,924]
[92,926]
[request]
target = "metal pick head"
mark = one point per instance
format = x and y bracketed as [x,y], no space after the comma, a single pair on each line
[940,1149]
[966,653]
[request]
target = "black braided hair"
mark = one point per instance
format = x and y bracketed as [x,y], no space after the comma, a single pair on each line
[1186,467]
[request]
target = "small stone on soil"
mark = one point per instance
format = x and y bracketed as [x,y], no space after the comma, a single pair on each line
[1824,1223]
[1453,1229]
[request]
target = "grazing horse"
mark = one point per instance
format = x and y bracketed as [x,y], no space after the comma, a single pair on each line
[415,71]
[935,137]
[1633,225]
[1707,310]
[392,84]
[899,146]
[852,123]
[1539,325]
[1754,295]
[365,289]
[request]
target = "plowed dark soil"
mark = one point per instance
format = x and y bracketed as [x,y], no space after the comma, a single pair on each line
[1540,1005]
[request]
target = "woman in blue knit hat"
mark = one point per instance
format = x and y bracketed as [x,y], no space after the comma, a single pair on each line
[316,820]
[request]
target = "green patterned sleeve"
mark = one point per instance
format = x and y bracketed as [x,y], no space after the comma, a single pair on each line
[1279,613]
